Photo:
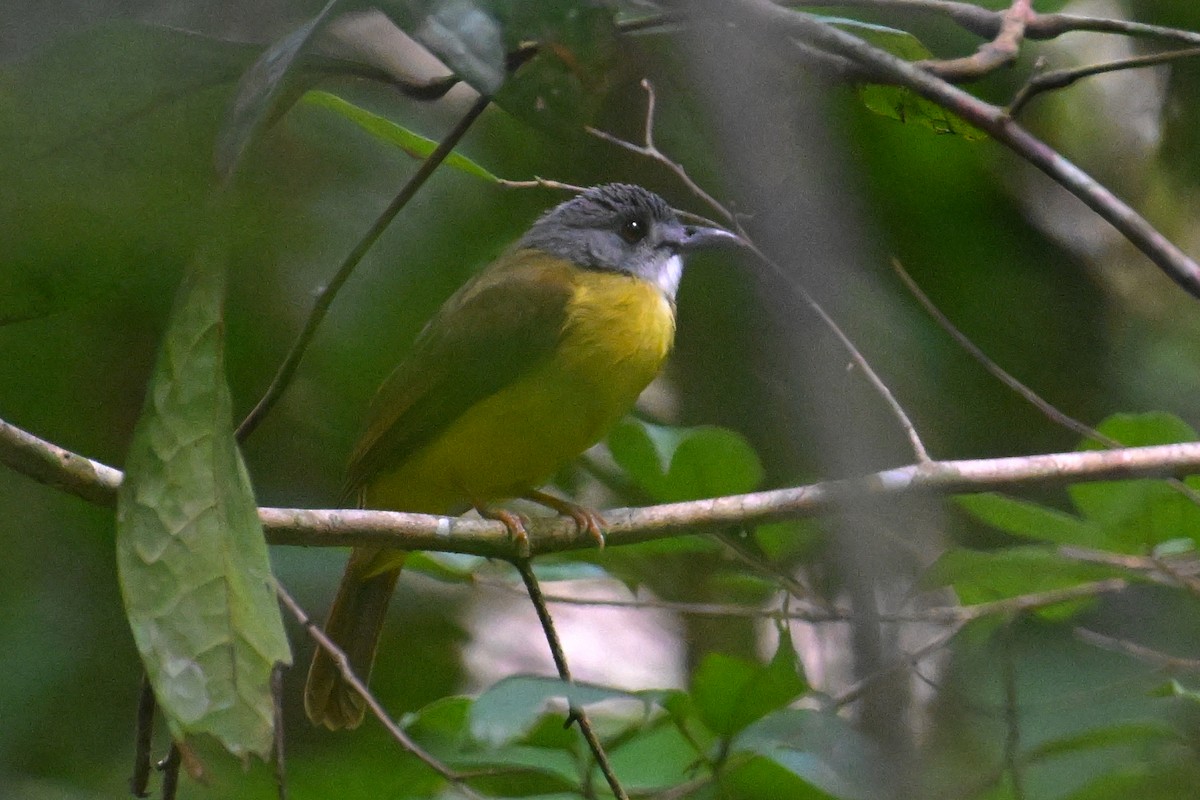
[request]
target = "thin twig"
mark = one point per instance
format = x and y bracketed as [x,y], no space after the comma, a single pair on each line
[143,737]
[907,661]
[1007,607]
[541,183]
[1012,717]
[1011,606]
[762,565]
[576,714]
[1041,82]
[1052,412]
[347,673]
[1029,395]
[1159,569]
[169,767]
[327,294]
[1160,660]
[881,388]
[649,150]
[986,23]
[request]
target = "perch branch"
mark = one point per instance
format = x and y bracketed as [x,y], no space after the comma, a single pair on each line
[29,455]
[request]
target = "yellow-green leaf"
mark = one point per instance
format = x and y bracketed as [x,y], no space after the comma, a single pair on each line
[383,128]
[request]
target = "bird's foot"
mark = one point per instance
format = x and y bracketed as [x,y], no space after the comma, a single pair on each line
[587,520]
[515,524]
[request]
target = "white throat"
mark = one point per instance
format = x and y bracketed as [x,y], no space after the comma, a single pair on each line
[668,276]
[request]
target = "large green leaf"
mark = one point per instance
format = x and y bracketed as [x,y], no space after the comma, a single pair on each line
[820,749]
[676,464]
[1032,521]
[510,708]
[1139,514]
[731,693]
[982,576]
[191,556]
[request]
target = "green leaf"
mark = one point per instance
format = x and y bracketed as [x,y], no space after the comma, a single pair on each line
[731,693]
[758,777]
[1129,734]
[788,541]
[510,709]
[465,35]
[676,464]
[982,576]
[413,144]
[1032,521]
[896,102]
[259,91]
[443,727]
[1144,780]
[191,556]
[1143,430]
[823,750]
[443,721]
[656,756]
[1137,515]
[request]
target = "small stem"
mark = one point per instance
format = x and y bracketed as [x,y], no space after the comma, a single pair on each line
[347,673]
[576,714]
[1012,718]
[169,767]
[143,739]
[1061,78]
[325,298]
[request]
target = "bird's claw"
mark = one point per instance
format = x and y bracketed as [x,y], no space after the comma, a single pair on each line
[515,523]
[587,520]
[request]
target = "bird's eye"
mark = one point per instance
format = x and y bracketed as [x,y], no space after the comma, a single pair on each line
[634,229]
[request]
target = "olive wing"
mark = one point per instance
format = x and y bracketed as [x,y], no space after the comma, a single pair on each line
[496,328]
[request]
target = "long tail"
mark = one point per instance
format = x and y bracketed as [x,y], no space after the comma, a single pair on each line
[354,624]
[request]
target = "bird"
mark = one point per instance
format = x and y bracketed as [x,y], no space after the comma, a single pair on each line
[527,365]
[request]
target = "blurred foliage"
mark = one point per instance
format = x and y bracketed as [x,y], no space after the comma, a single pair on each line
[107,169]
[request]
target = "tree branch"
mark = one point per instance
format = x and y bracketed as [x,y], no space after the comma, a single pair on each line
[986,23]
[770,22]
[34,457]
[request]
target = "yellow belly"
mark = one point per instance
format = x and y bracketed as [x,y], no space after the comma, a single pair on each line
[617,333]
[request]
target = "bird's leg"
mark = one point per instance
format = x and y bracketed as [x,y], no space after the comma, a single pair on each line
[586,519]
[514,522]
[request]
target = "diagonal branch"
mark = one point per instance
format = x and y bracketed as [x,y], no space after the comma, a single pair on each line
[783,26]
[325,298]
[343,664]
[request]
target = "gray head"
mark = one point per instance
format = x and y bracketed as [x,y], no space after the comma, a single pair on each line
[623,228]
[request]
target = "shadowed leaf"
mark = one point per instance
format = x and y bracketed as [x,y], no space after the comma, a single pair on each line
[191,556]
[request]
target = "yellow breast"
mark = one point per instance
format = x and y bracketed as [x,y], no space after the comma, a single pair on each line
[616,334]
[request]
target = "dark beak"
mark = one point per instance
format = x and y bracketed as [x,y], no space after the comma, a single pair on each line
[698,238]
